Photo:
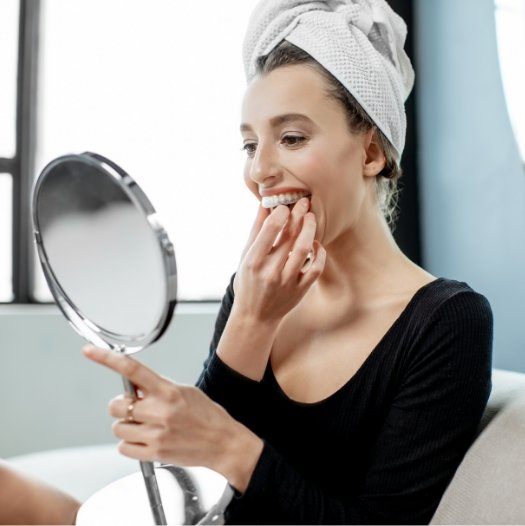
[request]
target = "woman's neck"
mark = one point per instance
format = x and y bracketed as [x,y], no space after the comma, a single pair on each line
[364,264]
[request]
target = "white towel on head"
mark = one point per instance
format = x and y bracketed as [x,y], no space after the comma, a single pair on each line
[359,42]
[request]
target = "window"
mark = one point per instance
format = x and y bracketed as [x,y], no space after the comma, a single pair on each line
[8,68]
[6,290]
[157,88]
[510,29]
[8,60]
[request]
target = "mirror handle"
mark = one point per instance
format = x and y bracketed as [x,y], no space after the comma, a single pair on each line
[148,470]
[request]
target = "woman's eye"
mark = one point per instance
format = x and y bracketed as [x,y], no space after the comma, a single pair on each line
[295,139]
[248,148]
[290,140]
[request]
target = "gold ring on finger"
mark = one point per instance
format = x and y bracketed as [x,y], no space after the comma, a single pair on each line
[129,413]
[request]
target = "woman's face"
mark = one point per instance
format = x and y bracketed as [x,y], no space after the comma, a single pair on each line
[316,153]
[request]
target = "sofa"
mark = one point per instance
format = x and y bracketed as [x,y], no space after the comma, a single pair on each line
[489,484]
[487,488]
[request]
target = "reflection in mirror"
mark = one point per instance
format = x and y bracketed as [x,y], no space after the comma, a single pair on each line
[108,262]
[102,250]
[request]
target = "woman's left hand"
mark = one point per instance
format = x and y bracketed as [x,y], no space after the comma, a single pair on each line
[177,424]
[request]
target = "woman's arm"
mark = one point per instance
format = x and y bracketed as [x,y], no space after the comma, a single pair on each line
[240,338]
[217,374]
[270,284]
[429,427]
[24,500]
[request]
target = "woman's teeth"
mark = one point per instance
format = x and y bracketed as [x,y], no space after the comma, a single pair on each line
[282,199]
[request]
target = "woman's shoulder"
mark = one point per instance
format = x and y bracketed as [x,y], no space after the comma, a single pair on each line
[446,310]
[452,315]
[452,296]
[451,334]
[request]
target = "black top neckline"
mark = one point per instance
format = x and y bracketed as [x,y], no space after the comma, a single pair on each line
[270,376]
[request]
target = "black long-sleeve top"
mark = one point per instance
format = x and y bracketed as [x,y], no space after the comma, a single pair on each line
[382,448]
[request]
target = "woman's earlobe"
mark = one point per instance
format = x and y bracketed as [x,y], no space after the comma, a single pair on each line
[375,160]
[375,166]
[374,171]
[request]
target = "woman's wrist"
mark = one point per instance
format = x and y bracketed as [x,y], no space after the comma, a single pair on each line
[241,451]
[238,314]
[246,343]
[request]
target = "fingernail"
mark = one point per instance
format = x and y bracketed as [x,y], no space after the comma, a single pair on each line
[92,351]
[88,351]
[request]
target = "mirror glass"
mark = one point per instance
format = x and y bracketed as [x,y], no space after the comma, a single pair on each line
[102,249]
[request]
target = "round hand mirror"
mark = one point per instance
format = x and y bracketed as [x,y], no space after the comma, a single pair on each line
[109,265]
[108,262]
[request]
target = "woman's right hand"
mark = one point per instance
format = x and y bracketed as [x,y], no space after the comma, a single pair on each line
[268,282]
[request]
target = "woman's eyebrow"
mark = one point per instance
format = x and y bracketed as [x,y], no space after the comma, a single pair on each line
[281,119]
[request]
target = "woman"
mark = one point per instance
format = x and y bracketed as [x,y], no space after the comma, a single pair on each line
[348,388]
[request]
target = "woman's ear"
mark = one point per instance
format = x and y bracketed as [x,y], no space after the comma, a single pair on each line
[374,158]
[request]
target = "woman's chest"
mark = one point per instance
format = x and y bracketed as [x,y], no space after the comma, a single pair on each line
[311,358]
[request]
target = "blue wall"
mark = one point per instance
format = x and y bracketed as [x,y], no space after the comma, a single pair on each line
[473,182]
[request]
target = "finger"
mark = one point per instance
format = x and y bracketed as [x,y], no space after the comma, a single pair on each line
[119,407]
[290,232]
[135,433]
[137,451]
[316,268]
[262,214]
[139,374]
[293,226]
[145,411]
[302,246]
[273,224]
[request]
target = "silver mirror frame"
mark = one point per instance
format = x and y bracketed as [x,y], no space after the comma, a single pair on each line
[98,335]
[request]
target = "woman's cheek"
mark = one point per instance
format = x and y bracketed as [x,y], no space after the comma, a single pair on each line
[252,187]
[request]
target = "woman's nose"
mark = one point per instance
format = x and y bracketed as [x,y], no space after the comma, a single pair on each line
[265,164]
